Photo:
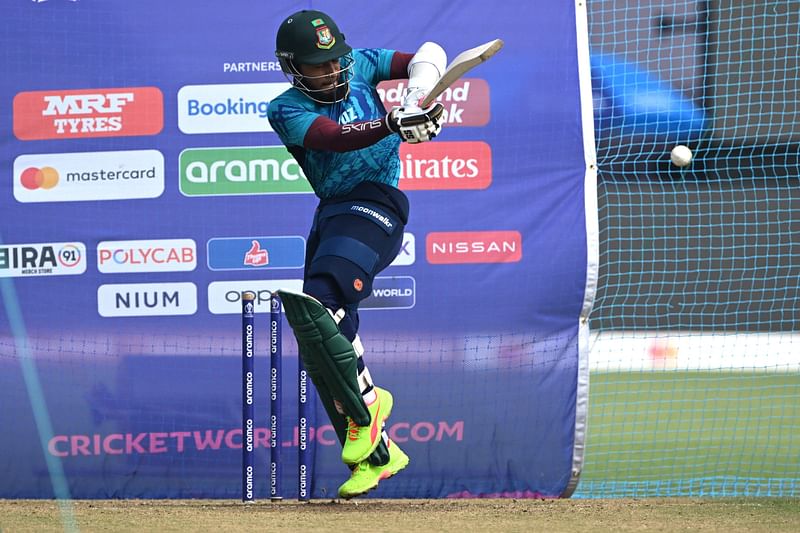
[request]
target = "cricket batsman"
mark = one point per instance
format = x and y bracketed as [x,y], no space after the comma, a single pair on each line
[333,122]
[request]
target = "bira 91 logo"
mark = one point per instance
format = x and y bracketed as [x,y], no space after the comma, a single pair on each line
[88,113]
[466,102]
[445,166]
[42,259]
[451,247]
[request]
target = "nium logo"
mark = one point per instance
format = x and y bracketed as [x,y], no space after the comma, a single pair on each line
[406,256]
[445,166]
[42,259]
[167,255]
[249,253]
[247,170]
[146,299]
[466,102]
[226,108]
[87,176]
[391,292]
[58,114]
[474,247]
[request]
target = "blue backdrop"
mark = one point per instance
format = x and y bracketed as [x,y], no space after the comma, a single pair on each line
[143,190]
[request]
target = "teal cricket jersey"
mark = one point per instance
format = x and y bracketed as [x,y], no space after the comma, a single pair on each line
[336,173]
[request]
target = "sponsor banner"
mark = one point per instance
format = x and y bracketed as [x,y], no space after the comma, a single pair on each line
[87,176]
[164,255]
[226,108]
[406,256]
[245,170]
[248,253]
[466,102]
[83,113]
[445,166]
[146,299]
[473,247]
[189,440]
[225,297]
[42,259]
[391,292]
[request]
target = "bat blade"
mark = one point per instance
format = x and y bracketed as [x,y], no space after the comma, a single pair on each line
[463,63]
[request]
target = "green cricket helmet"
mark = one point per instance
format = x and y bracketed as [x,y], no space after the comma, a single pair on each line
[312,38]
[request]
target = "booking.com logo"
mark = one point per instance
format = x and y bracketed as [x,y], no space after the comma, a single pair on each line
[33,178]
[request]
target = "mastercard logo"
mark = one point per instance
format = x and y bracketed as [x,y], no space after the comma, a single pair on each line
[33,178]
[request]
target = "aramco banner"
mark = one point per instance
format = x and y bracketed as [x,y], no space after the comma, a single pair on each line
[144,190]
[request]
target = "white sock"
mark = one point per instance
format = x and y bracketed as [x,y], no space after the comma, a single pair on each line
[370,397]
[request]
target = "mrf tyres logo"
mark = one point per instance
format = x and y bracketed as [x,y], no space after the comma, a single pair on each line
[466,102]
[248,170]
[473,247]
[57,114]
[445,166]
[42,259]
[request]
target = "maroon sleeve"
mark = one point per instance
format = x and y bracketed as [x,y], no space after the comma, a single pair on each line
[399,67]
[325,134]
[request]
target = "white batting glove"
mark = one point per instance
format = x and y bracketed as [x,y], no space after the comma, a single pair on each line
[416,125]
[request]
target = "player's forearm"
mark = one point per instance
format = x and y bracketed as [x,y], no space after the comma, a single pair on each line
[325,134]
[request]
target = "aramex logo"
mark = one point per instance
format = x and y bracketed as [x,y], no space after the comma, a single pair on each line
[88,113]
[230,171]
[445,166]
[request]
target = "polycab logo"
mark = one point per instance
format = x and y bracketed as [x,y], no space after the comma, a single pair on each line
[473,247]
[445,166]
[249,253]
[42,259]
[248,170]
[166,255]
[226,108]
[88,113]
[146,299]
[466,102]
[86,176]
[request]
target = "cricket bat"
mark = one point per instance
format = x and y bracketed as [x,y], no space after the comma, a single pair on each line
[463,63]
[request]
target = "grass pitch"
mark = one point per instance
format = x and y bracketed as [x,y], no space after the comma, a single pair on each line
[693,433]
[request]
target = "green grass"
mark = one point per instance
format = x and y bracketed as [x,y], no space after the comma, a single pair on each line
[693,433]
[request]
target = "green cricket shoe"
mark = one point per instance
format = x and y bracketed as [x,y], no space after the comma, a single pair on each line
[361,441]
[366,477]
